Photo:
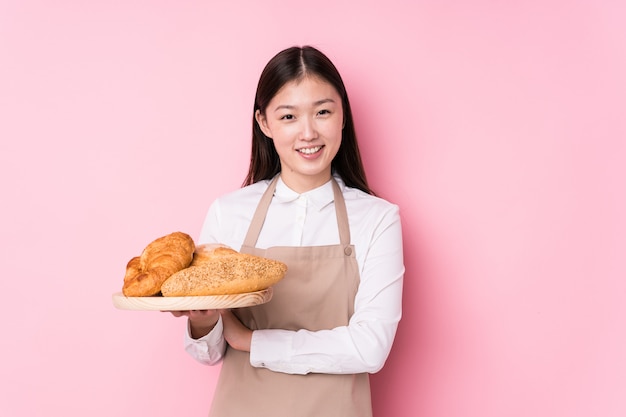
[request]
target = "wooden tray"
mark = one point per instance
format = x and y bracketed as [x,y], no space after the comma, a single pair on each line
[211,302]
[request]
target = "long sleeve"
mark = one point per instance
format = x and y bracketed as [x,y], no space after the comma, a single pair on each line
[208,349]
[364,344]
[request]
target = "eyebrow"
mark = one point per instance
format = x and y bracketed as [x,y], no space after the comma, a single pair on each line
[315,104]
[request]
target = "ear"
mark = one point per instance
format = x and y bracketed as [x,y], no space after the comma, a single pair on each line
[262,122]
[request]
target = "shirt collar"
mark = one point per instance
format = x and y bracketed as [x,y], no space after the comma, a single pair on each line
[319,197]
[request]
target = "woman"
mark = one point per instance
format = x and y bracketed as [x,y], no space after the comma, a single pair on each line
[305,202]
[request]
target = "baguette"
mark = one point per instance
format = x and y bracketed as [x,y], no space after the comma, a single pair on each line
[219,270]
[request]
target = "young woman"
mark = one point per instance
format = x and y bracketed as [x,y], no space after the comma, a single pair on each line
[305,202]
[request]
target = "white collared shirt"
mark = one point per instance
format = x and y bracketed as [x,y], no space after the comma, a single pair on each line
[309,219]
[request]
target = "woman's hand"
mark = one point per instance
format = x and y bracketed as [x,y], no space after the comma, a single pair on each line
[201,322]
[236,334]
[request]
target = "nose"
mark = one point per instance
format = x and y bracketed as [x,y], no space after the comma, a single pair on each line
[309,131]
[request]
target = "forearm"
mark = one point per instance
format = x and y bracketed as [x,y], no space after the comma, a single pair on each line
[345,350]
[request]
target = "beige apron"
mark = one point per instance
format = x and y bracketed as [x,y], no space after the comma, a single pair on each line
[317,293]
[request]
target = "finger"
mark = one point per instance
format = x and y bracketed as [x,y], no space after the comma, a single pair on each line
[177,313]
[201,313]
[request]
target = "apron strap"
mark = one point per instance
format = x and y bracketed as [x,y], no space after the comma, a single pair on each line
[259,216]
[342,217]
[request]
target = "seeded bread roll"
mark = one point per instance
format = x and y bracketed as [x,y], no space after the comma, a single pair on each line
[221,270]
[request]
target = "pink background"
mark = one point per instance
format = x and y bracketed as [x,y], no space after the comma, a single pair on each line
[498,127]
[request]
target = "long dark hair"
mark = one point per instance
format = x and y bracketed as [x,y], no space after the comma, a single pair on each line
[289,65]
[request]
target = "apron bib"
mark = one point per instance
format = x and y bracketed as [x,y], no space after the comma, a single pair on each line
[317,293]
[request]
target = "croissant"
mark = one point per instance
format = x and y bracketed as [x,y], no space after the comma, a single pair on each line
[219,270]
[159,260]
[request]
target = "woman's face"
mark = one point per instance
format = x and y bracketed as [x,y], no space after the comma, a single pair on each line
[305,120]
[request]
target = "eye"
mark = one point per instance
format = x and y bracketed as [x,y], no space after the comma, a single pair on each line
[323,112]
[287,117]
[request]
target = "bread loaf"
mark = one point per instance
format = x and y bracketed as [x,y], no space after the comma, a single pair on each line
[205,252]
[163,257]
[219,270]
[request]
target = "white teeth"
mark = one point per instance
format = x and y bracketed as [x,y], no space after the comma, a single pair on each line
[309,151]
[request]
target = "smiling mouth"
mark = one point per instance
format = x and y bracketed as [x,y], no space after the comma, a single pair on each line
[310,151]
